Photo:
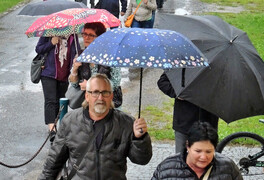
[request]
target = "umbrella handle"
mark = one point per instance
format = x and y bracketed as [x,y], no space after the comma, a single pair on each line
[140,91]
[75,41]
[183,77]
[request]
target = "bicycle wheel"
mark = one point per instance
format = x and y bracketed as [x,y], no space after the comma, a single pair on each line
[239,146]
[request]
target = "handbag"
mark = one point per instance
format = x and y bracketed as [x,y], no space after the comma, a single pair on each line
[75,96]
[36,67]
[130,18]
[118,97]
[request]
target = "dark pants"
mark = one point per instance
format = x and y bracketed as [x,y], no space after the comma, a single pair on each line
[180,141]
[53,90]
[153,18]
[159,3]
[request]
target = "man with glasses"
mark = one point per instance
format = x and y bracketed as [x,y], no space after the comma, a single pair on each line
[107,135]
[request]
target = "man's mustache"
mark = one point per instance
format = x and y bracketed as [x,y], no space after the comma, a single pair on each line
[100,102]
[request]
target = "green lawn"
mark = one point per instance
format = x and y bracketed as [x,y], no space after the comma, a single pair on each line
[250,5]
[7,4]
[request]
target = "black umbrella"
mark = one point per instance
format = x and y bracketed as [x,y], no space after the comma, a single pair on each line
[48,7]
[232,87]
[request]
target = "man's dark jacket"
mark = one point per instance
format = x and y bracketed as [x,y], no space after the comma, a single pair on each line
[185,113]
[111,5]
[109,161]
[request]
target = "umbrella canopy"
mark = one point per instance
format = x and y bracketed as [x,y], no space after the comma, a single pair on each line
[48,7]
[232,87]
[70,21]
[143,48]
[146,48]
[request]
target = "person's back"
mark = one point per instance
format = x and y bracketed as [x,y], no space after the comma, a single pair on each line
[111,5]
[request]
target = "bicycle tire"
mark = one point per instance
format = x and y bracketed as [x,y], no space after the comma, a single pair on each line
[238,146]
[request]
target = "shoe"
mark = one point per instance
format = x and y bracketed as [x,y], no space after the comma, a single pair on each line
[52,137]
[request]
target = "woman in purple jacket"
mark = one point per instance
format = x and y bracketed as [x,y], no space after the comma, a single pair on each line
[54,77]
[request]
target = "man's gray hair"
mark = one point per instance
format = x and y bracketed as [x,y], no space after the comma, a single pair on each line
[99,76]
[85,104]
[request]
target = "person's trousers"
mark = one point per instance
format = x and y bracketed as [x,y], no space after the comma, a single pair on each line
[53,90]
[180,141]
[142,24]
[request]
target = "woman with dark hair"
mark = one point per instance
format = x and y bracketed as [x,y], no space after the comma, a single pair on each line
[81,72]
[199,160]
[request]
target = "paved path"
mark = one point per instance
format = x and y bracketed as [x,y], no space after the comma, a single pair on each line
[160,152]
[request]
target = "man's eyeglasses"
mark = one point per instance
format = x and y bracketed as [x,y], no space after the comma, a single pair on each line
[85,35]
[96,94]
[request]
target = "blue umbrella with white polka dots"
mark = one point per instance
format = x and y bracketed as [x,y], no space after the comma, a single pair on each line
[143,48]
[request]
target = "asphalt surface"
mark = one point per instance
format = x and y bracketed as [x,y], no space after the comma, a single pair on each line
[22,129]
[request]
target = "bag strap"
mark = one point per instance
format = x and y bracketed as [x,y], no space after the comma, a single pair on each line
[79,160]
[207,173]
[137,7]
[44,59]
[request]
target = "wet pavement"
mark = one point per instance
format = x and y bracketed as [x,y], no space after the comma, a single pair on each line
[21,102]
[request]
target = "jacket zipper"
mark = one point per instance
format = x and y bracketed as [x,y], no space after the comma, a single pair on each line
[97,165]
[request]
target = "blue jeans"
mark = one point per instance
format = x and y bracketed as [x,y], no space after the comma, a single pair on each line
[142,24]
[153,18]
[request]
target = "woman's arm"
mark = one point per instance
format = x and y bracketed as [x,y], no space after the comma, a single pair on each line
[73,78]
[165,86]
[45,44]
[150,4]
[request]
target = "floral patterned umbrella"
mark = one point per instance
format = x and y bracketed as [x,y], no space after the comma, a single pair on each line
[146,48]
[70,21]
[143,48]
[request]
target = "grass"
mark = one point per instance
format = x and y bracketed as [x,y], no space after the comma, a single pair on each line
[7,4]
[250,5]
[250,21]
[160,121]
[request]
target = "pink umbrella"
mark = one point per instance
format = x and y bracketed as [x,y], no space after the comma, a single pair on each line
[70,21]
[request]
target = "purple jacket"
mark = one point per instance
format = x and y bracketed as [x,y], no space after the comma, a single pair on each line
[44,45]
